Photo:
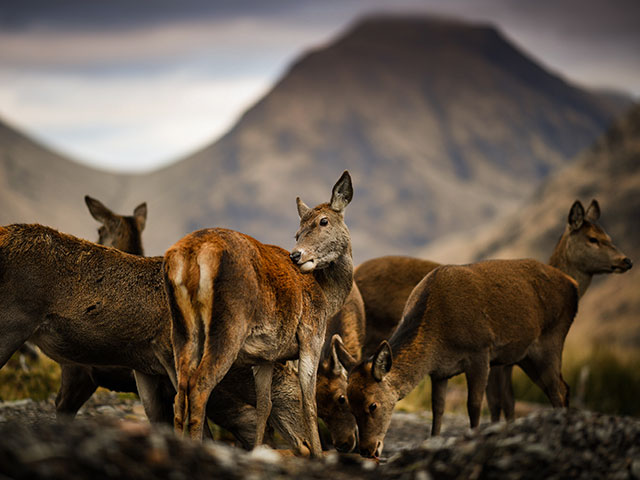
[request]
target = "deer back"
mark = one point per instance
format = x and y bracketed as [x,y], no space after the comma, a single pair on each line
[86,294]
[385,284]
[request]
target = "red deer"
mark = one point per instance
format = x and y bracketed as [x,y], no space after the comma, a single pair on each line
[234,299]
[347,326]
[86,304]
[79,382]
[584,250]
[385,284]
[465,318]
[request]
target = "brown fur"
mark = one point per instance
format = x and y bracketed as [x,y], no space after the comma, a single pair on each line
[577,255]
[79,382]
[385,284]
[254,306]
[463,319]
[86,304]
[521,309]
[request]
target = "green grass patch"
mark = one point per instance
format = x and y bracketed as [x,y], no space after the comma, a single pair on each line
[38,381]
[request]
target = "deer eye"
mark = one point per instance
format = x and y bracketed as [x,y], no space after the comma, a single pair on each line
[324,221]
[372,407]
[341,399]
[593,240]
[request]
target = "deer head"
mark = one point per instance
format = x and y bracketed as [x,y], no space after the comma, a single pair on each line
[331,396]
[588,247]
[118,231]
[323,236]
[372,398]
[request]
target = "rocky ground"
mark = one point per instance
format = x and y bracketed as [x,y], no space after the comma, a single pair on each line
[111,439]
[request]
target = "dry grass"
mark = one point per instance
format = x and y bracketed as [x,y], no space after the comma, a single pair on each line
[602,379]
[35,379]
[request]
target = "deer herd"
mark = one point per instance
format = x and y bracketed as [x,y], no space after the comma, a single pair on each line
[256,339]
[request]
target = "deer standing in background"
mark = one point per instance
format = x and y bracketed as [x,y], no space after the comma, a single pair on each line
[584,250]
[462,319]
[79,382]
[385,284]
[234,299]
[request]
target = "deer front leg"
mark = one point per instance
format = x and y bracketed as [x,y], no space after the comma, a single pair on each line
[438,395]
[307,373]
[477,375]
[76,387]
[262,375]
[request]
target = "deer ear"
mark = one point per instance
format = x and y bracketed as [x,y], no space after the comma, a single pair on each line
[98,210]
[140,214]
[340,357]
[302,208]
[593,212]
[576,215]
[342,193]
[382,361]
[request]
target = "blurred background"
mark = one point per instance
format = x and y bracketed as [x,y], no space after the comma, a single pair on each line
[469,127]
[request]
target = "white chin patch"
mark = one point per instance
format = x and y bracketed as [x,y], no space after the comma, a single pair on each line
[308,266]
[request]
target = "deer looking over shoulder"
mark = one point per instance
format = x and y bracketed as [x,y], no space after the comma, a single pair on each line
[234,299]
[464,319]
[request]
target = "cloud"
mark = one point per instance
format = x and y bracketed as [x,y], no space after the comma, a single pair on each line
[129,124]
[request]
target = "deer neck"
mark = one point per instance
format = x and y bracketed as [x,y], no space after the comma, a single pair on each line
[560,261]
[411,362]
[336,281]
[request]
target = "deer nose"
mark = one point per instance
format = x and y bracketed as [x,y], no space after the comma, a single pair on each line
[295,256]
[627,261]
[365,452]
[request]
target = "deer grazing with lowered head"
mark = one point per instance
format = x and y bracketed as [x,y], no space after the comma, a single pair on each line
[466,318]
[347,328]
[236,300]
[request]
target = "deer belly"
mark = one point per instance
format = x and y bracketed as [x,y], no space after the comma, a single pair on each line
[263,347]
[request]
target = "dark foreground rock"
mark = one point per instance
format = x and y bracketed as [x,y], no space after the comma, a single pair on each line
[545,444]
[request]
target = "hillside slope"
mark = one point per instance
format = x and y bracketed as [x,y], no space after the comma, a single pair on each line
[444,126]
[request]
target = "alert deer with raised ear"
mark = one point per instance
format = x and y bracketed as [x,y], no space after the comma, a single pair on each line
[465,318]
[234,299]
[584,250]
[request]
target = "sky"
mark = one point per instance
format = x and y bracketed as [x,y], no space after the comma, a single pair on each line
[132,86]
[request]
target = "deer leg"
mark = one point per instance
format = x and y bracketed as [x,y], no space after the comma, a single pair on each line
[494,391]
[307,373]
[507,400]
[438,396]
[155,396]
[477,374]
[263,375]
[76,387]
[545,372]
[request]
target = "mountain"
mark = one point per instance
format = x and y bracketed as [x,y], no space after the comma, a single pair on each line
[39,185]
[608,171]
[444,126]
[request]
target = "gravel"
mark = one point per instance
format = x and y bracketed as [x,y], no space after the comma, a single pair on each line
[116,442]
